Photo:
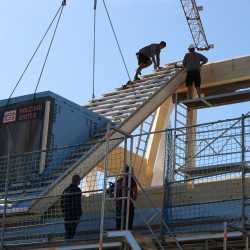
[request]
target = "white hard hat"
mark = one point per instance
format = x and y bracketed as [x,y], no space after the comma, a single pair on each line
[191,46]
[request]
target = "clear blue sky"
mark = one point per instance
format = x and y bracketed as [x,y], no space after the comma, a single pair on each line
[69,69]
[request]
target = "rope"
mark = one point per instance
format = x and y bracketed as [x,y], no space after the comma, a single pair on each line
[50,45]
[94,50]
[33,55]
[116,39]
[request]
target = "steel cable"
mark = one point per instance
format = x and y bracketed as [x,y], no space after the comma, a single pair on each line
[50,46]
[94,52]
[33,55]
[116,39]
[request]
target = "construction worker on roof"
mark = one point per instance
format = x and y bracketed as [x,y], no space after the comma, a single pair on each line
[192,62]
[147,55]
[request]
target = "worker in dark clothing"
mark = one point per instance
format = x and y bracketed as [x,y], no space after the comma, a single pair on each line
[71,206]
[192,62]
[122,190]
[147,55]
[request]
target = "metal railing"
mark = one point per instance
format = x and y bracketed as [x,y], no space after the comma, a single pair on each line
[207,179]
[22,183]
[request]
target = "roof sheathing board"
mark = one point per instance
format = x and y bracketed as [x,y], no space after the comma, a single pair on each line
[121,103]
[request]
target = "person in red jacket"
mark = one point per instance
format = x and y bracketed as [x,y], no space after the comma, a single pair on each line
[122,190]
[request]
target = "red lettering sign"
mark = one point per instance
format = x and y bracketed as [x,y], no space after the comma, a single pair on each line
[9,116]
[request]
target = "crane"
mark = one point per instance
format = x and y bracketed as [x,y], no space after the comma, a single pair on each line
[191,11]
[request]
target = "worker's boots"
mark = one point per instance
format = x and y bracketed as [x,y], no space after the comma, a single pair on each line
[127,85]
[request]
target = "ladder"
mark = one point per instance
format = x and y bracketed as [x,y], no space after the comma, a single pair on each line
[179,135]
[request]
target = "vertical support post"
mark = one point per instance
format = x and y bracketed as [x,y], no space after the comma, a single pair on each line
[44,137]
[169,169]
[104,187]
[243,173]
[94,52]
[190,145]
[206,244]
[170,173]
[168,176]
[131,151]
[125,151]
[247,243]
[175,133]
[6,188]
[124,185]
[225,237]
[130,174]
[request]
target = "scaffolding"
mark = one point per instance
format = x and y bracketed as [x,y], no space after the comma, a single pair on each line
[125,202]
[22,184]
[207,179]
[220,162]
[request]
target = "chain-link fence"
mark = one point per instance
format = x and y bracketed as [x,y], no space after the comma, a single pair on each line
[207,176]
[113,195]
[23,181]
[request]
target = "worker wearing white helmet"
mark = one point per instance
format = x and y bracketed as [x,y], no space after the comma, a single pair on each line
[192,62]
[191,46]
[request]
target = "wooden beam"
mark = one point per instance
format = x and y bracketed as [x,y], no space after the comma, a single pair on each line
[191,133]
[212,170]
[217,100]
[155,168]
[213,191]
[217,90]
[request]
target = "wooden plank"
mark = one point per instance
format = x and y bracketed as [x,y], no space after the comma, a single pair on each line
[133,87]
[127,97]
[124,95]
[112,108]
[115,103]
[213,191]
[118,108]
[138,99]
[119,111]
[138,86]
[110,105]
[212,170]
[132,98]
[217,100]
[160,73]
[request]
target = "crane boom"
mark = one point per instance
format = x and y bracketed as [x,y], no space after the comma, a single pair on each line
[191,11]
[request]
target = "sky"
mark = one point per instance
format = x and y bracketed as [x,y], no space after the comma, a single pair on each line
[137,23]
